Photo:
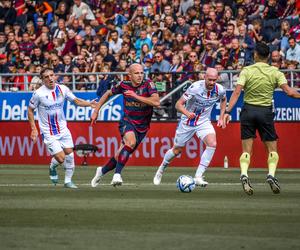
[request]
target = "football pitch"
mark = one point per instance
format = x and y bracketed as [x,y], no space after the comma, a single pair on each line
[138,215]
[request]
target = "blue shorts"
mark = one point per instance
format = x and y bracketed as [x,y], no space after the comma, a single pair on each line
[125,127]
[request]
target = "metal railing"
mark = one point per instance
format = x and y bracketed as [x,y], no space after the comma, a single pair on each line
[7,82]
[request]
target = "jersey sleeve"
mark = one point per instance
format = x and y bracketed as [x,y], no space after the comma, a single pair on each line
[151,88]
[242,78]
[222,92]
[281,78]
[117,89]
[34,101]
[68,93]
[189,93]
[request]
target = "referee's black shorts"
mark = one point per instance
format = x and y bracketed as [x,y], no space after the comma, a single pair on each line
[257,118]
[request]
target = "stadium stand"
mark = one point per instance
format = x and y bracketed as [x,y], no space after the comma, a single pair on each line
[47,31]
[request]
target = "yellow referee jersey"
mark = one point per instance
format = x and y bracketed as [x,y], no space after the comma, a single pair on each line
[259,82]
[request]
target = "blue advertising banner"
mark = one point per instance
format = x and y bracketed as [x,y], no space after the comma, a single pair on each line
[14,108]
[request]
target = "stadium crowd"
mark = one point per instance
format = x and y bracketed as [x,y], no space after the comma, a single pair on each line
[165,36]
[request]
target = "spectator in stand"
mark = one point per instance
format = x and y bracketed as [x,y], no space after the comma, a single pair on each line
[228,36]
[8,14]
[30,29]
[37,57]
[82,11]
[115,42]
[271,10]
[67,64]
[142,40]
[26,45]
[145,54]
[105,82]
[293,78]
[26,62]
[160,64]
[2,43]
[61,12]
[277,60]
[255,30]
[189,65]
[293,53]
[236,58]
[182,27]
[107,57]
[247,44]
[70,47]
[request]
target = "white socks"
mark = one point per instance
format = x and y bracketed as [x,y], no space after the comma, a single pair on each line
[205,160]
[69,167]
[54,163]
[169,156]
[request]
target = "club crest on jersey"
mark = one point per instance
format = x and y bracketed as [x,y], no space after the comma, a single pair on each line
[152,84]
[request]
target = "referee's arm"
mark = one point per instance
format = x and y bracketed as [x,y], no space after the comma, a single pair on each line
[291,92]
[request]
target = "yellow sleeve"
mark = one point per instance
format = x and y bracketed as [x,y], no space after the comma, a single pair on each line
[242,78]
[280,78]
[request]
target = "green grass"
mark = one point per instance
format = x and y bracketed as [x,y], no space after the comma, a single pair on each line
[139,215]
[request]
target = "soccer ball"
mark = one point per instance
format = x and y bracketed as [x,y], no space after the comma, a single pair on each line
[185,183]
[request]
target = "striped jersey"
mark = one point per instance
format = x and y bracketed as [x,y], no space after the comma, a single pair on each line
[137,113]
[200,101]
[49,104]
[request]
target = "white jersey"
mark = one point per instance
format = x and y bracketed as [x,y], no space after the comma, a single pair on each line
[200,101]
[49,104]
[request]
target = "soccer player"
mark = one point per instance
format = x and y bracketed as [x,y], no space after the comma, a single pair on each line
[196,105]
[259,82]
[140,96]
[49,100]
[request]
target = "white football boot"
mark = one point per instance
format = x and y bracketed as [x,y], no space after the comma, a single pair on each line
[199,181]
[116,180]
[157,177]
[96,180]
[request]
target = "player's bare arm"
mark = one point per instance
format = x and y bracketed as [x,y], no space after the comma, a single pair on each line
[34,131]
[84,103]
[223,103]
[153,100]
[98,105]
[291,92]
[233,99]
[181,108]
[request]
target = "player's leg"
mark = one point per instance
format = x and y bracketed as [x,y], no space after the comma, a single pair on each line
[101,171]
[269,137]
[130,143]
[248,134]
[58,157]
[182,135]
[69,166]
[207,134]
[66,142]
[273,159]
[169,156]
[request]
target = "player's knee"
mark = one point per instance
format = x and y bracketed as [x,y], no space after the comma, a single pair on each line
[177,151]
[131,144]
[212,144]
[60,158]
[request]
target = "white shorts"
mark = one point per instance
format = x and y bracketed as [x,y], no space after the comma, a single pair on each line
[56,143]
[184,132]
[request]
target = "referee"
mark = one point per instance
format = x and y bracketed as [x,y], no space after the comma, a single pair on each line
[259,82]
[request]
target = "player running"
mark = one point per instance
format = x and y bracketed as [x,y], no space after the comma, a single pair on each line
[140,96]
[196,105]
[49,100]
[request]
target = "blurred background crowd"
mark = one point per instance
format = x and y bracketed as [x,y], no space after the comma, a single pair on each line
[167,37]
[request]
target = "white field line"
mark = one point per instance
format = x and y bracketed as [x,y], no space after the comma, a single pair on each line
[124,184]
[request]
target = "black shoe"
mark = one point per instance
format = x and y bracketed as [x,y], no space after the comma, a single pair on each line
[246,185]
[274,184]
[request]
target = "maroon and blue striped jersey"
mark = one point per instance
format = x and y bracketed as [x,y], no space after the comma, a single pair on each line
[137,113]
